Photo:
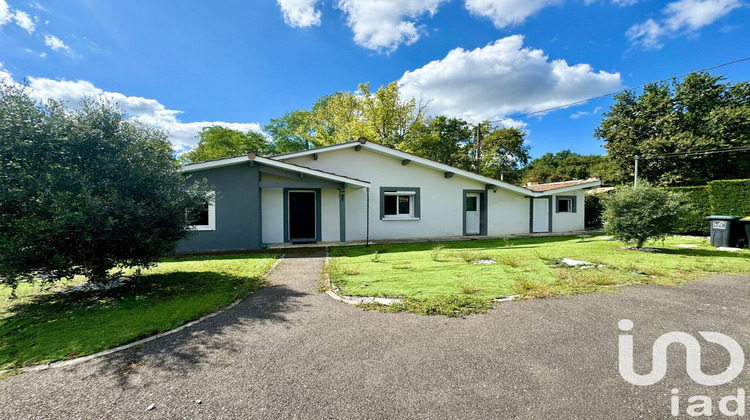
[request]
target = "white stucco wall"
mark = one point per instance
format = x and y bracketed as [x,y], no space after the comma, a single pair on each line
[441,198]
[272,215]
[329,223]
[507,213]
[565,222]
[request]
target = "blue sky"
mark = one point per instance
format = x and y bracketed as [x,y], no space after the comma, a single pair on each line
[183,65]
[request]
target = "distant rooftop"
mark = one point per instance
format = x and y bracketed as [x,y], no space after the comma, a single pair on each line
[556,185]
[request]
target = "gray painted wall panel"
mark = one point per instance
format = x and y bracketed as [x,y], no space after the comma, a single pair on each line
[238,224]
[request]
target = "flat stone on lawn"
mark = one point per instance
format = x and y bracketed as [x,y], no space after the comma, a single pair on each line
[575,263]
[728,249]
[686,246]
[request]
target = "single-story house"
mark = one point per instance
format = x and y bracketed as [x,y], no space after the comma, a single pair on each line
[361,191]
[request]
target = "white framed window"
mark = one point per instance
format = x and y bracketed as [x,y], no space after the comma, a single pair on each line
[398,204]
[566,204]
[205,219]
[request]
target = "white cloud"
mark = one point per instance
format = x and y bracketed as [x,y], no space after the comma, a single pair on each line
[19,17]
[581,114]
[384,25]
[5,76]
[36,5]
[502,78]
[300,13]
[680,17]
[505,13]
[23,20]
[5,13]
[150,112]
[55,43]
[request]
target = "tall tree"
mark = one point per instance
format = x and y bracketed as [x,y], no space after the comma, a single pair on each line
[566,165]
[383,116]
[291,132]
[216,142]
[394,119]
[442,139]
[699,113]
[502,153]
[85,191]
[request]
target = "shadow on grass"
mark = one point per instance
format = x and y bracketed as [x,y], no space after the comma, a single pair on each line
[219,257]
[705,253]
[60,326]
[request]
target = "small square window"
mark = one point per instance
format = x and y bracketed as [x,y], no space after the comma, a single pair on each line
[565,205]
[398,204]
[205,218]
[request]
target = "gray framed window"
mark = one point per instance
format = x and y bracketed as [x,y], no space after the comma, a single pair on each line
[399,203]
[566,204]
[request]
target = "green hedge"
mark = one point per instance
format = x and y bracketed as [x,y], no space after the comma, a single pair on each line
[594,208]
[696,206]
[730,197]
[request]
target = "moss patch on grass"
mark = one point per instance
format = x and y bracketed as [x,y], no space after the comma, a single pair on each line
[524,266]
[43,325]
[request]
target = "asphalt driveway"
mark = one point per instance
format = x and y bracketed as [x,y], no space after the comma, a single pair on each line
[289,351]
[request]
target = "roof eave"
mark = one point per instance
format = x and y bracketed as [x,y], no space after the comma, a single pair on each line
[568,189]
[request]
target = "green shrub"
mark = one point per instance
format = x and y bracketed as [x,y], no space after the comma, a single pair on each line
[695,207]
[593,210]
[636,215]
[730,197]
[86,190]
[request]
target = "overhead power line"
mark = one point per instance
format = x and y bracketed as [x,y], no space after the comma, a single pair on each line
[582,101]
[700,152]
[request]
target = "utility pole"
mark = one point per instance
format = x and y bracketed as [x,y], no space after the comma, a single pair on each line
[635,179]
[478,153]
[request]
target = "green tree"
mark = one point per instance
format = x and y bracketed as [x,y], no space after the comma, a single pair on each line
[442,139]
[699,113]
[566,165]
[216,142]
[383,117]
[503,152]
[636,215]
[85,191]
[395,120]
[291,132]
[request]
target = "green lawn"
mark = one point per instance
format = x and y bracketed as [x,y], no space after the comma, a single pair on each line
[44,325]
[526,267]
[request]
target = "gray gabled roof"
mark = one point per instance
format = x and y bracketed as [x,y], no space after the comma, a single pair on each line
[378,148]
[252,157]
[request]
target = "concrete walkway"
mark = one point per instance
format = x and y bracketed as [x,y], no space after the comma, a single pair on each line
[291,352]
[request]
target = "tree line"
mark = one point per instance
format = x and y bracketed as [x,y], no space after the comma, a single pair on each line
[670,126]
